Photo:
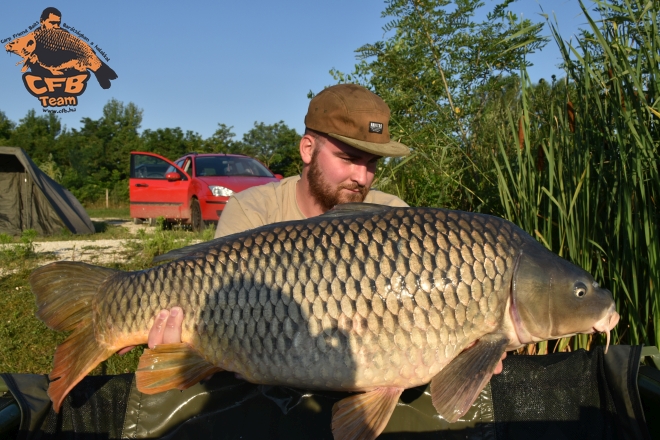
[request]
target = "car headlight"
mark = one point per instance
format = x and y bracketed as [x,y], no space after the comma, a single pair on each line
[220,191]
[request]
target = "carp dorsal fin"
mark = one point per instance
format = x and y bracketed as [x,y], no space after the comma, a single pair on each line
[345,209]
[171,366]
[365,415]
[455,388]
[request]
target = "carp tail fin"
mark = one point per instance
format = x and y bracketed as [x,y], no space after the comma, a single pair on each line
[76,357]
[64,294]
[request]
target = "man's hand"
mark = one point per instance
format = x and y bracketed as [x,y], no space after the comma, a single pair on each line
[165,330]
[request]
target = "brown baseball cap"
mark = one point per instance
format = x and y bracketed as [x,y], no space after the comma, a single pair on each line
[355,116]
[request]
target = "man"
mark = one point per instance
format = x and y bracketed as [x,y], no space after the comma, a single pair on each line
[346,133]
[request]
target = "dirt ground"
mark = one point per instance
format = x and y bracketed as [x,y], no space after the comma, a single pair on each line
[96,252]
[88,251]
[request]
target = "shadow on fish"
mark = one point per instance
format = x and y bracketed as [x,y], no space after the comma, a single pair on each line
[365,298]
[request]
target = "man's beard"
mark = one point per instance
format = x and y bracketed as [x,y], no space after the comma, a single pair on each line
[325,194]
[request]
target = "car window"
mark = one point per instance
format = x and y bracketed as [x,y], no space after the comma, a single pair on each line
[172,169]
[230,166]
[149,167]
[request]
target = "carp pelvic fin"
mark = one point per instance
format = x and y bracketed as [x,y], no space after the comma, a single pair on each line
[171,366]
[365,415]
[64,292]
[455,388]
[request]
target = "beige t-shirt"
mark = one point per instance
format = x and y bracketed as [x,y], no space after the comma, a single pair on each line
[275,202]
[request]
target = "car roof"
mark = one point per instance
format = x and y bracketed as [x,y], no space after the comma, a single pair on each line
[213,155]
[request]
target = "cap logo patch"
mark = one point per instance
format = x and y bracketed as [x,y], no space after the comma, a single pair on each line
[375,127]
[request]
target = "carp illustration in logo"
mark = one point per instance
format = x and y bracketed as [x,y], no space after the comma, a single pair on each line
[58,62]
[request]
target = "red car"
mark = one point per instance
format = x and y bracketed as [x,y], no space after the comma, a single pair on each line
[193,189]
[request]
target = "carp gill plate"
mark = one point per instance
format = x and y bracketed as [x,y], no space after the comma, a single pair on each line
[365,298]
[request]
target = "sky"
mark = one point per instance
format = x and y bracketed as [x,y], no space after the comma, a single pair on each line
[196,64]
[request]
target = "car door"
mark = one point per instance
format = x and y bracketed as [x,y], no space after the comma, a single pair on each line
[152,194]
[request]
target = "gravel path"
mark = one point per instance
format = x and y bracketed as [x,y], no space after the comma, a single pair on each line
[88,251]
[98,251]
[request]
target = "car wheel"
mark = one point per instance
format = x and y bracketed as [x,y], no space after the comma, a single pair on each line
[196,216]
[153,221]
[137,221]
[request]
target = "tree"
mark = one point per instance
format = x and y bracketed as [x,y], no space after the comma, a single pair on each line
[6,128]
[98,154]
[171,143]
[276,145]
[37,134]
[111,138]
[438,72]
[222,141]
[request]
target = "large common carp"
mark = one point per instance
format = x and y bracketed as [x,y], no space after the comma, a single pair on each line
[365,298]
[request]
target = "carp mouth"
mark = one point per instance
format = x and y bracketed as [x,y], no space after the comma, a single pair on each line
[606,324]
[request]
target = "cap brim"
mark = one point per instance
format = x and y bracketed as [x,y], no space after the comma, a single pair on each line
[389,149]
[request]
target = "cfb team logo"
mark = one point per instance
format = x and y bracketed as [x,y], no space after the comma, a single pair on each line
[56,64]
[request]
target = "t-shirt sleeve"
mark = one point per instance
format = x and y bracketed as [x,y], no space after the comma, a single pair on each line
[395,201]
[232,220]
[382,198]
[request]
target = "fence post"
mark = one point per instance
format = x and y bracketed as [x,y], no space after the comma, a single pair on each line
[107,203]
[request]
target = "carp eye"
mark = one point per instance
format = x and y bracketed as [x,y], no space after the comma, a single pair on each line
[580,290]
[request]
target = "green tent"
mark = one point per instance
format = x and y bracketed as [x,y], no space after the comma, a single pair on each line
[30,199]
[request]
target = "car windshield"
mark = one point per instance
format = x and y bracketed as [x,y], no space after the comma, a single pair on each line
[230,166]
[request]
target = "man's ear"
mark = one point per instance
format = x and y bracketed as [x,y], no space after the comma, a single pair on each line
[307,145]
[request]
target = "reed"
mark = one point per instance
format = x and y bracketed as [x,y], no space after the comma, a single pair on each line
[582,175]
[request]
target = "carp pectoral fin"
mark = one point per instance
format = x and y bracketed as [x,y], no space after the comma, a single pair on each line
[455,388]
[365,415]
[171,366]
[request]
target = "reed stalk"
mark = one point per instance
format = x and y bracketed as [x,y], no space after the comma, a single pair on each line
[583,176]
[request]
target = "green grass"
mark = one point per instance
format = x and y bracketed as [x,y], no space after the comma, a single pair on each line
[104,231]
[103,212]
[26,344]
